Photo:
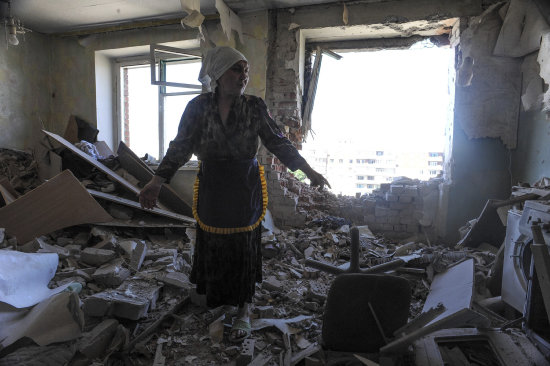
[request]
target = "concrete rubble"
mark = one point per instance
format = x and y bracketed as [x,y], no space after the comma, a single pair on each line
[140,308]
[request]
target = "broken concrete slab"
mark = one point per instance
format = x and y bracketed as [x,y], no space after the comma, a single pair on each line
[158,253]
[177,279]
[94,343]
[96,257]
[132,300]
[136,249]
[247,353]
[111,274]
[56,204]
[56,355]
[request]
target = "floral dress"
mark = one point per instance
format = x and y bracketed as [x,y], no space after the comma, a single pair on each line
[230,197]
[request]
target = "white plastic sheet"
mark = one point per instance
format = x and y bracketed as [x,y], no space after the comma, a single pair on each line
[24,277]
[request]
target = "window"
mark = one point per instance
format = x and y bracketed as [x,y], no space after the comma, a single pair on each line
[360,177]
[371,161]
[150,114]
[351,161]
[332,160]
[433,172]
[360,185]
[379,153]
[434,163]
[341,161]
[380,170]
[435,154]
[370,177]
[371,186]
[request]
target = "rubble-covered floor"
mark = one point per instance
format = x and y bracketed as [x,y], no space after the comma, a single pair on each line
[140,309]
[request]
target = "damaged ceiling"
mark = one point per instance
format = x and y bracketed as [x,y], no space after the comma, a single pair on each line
[117,277]
[55,16]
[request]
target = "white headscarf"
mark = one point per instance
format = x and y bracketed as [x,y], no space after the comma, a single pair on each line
[217,61]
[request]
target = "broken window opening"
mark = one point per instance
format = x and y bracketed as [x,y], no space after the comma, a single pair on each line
[150,112]
[393,103]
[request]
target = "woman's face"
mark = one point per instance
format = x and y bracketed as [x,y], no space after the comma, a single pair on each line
[234,80]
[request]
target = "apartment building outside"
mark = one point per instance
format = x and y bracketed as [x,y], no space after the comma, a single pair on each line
[353,171]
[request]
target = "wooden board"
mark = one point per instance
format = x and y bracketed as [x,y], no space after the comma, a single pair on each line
[71,132]
[104,149]
[136,205]
[453,288]
[61,202]
[135,166]
[149,222]
[130,187]
[6,190]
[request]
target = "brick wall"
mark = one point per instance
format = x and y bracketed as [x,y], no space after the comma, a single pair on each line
[283,98]
[397,210]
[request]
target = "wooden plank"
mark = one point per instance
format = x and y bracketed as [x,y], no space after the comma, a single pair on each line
[136,205]
[6,190]
[146,221]
[135,166]
[130,187]
[56,165]
[103,149]
[71,132]
[127,153]
[60,202]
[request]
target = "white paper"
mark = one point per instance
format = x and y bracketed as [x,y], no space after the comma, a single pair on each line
[281,324]
[24,277]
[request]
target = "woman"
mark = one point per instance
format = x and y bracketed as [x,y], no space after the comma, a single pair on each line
[222,128]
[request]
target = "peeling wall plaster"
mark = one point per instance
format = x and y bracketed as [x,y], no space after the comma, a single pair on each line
[24,89]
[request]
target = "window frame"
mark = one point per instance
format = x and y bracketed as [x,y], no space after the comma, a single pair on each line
[145,61]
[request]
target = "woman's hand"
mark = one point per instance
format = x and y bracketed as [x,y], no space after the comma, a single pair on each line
[149,194]
[316,179]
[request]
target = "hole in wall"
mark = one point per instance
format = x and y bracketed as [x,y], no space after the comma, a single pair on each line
[379,115]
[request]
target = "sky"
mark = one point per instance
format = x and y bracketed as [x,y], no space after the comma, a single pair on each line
[391,99]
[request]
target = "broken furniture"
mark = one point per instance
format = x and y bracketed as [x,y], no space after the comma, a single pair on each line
[353,265]
[477,346]
[489,227]
[167,196]
[454,289]
[56,204]
[517,251]
[537,307]
[363,310]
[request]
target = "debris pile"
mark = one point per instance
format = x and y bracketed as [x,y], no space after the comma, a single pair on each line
[115,278]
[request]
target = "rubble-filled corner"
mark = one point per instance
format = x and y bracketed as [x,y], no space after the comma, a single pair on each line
[361,281]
